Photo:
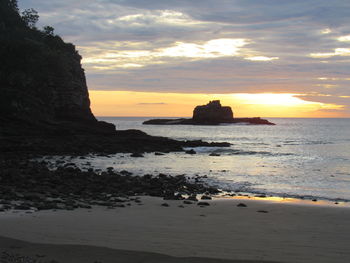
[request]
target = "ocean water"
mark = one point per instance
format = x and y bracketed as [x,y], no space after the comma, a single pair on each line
[308,158]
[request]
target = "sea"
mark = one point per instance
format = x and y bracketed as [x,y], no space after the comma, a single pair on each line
[296,158]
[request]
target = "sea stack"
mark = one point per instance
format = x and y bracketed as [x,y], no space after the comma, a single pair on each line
[212,112]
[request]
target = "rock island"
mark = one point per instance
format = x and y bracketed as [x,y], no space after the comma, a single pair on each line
[210,114]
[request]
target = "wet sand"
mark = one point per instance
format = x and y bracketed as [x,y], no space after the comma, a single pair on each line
[262,231]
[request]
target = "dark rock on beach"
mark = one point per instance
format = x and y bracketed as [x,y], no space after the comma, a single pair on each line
[203,204]
[28,185]
[190,151]
[192,197]
[262,211]
[137,155]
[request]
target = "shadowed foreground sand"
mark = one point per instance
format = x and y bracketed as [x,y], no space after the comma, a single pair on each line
[263,231]
[87,254]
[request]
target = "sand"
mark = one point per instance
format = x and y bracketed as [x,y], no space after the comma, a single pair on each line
[288,232]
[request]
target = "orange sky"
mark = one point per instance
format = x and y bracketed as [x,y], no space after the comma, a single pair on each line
[152,104]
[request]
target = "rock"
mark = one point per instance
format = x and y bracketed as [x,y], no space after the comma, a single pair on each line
[22,207]
[193,198]
[165,205]
[190,151]
[124,172]
[205,197]
[262,211]
[186,202]
[158,153]
[85,206]
[138,155]
[67,188]
[213,112]
[241,205]
[203,204]
[214,154]
[210,114]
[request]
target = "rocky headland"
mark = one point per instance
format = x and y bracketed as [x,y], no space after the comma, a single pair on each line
[44,102]
[210,114]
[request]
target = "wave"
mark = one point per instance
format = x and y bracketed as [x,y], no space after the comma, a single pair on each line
[230,151]
[247,188]
[291,142]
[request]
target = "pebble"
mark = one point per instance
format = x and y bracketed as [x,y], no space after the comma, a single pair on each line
[203,204]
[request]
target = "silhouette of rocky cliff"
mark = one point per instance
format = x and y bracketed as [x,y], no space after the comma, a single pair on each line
[42,84]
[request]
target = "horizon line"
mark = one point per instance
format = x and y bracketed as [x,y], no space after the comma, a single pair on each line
[236,117]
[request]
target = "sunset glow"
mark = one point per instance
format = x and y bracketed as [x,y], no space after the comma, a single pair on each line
[126,103]
[272,99]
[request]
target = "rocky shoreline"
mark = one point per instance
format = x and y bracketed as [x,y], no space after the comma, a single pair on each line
[31,186]
[127,141]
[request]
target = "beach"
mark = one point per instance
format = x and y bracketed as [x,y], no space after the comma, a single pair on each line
[263,231]
[174,132]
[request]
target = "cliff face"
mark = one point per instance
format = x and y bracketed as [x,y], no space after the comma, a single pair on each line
[41,78]
[212,112]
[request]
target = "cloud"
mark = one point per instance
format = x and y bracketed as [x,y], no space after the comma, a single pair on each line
[261,58]
[336,52]
[344,38]
[102,59]
[209,46]
[163,17]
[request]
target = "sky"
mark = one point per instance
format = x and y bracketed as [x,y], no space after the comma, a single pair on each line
[269,58]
